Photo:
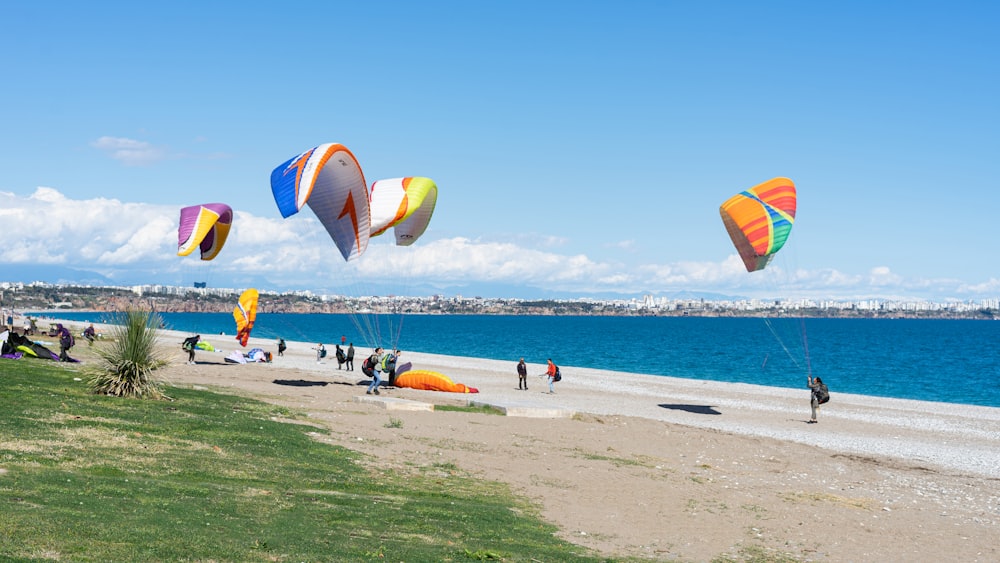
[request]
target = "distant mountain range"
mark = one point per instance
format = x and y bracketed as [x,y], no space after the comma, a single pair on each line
[54,274]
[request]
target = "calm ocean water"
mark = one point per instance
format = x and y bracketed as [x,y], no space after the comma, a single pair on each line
[953,361]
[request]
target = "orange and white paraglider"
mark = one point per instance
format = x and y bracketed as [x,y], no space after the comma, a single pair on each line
[329,180]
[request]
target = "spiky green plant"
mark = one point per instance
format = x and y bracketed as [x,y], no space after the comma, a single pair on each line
[128,361]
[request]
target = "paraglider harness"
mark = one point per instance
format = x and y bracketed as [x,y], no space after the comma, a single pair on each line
[822,394]
[389,367]
[558,375]
[368,366]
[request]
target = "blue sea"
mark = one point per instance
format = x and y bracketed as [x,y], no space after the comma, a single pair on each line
[952,361]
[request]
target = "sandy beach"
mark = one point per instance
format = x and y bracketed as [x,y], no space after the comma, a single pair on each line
[659,467]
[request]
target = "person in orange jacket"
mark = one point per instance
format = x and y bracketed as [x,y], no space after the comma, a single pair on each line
[551,373]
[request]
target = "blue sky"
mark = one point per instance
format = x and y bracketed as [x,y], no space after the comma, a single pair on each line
[580,148]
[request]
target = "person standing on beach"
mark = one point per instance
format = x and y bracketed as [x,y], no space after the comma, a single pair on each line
[282,347]
[350,357]
[341,357]
[90,334]
[522,375]
[389,365]
[816,387]
[551,373]
[376,365]
[320,352]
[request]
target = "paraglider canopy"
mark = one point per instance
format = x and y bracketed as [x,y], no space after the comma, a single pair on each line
[329,179]
[245,313]
[204,226]
[406,204]
[759,220]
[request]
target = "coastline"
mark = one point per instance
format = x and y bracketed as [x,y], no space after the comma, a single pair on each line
[938,361]
[957,438]
[637,451]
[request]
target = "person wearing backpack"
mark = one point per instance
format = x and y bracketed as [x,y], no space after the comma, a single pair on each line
[374,366]
[388,365]
[341,357]
[819,394]
[320,352]
[189,345]
[553,374]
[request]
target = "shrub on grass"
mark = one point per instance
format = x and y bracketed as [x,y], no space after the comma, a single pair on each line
[128,361]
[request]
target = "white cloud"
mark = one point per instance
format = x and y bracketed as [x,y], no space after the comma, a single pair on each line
[130,152]
[139,242]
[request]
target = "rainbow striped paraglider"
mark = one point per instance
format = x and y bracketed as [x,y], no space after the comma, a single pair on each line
[759,220]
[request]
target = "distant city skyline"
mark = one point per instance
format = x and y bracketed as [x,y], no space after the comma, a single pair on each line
[689,302]
[588,157]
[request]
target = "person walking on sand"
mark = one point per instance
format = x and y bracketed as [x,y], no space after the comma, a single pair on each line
[350,357]
[376,374]
[522,375]
[551,372]
[817,388]
[190,343]
[282,346]
[320,352]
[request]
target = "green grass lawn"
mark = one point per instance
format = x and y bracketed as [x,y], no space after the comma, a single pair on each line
[212,477]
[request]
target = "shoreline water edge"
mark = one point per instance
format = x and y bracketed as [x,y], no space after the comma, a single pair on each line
[946,361]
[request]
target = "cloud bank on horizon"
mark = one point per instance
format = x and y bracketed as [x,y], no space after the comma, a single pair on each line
[136,243]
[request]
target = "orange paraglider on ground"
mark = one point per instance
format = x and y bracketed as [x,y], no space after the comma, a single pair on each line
[431,381]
